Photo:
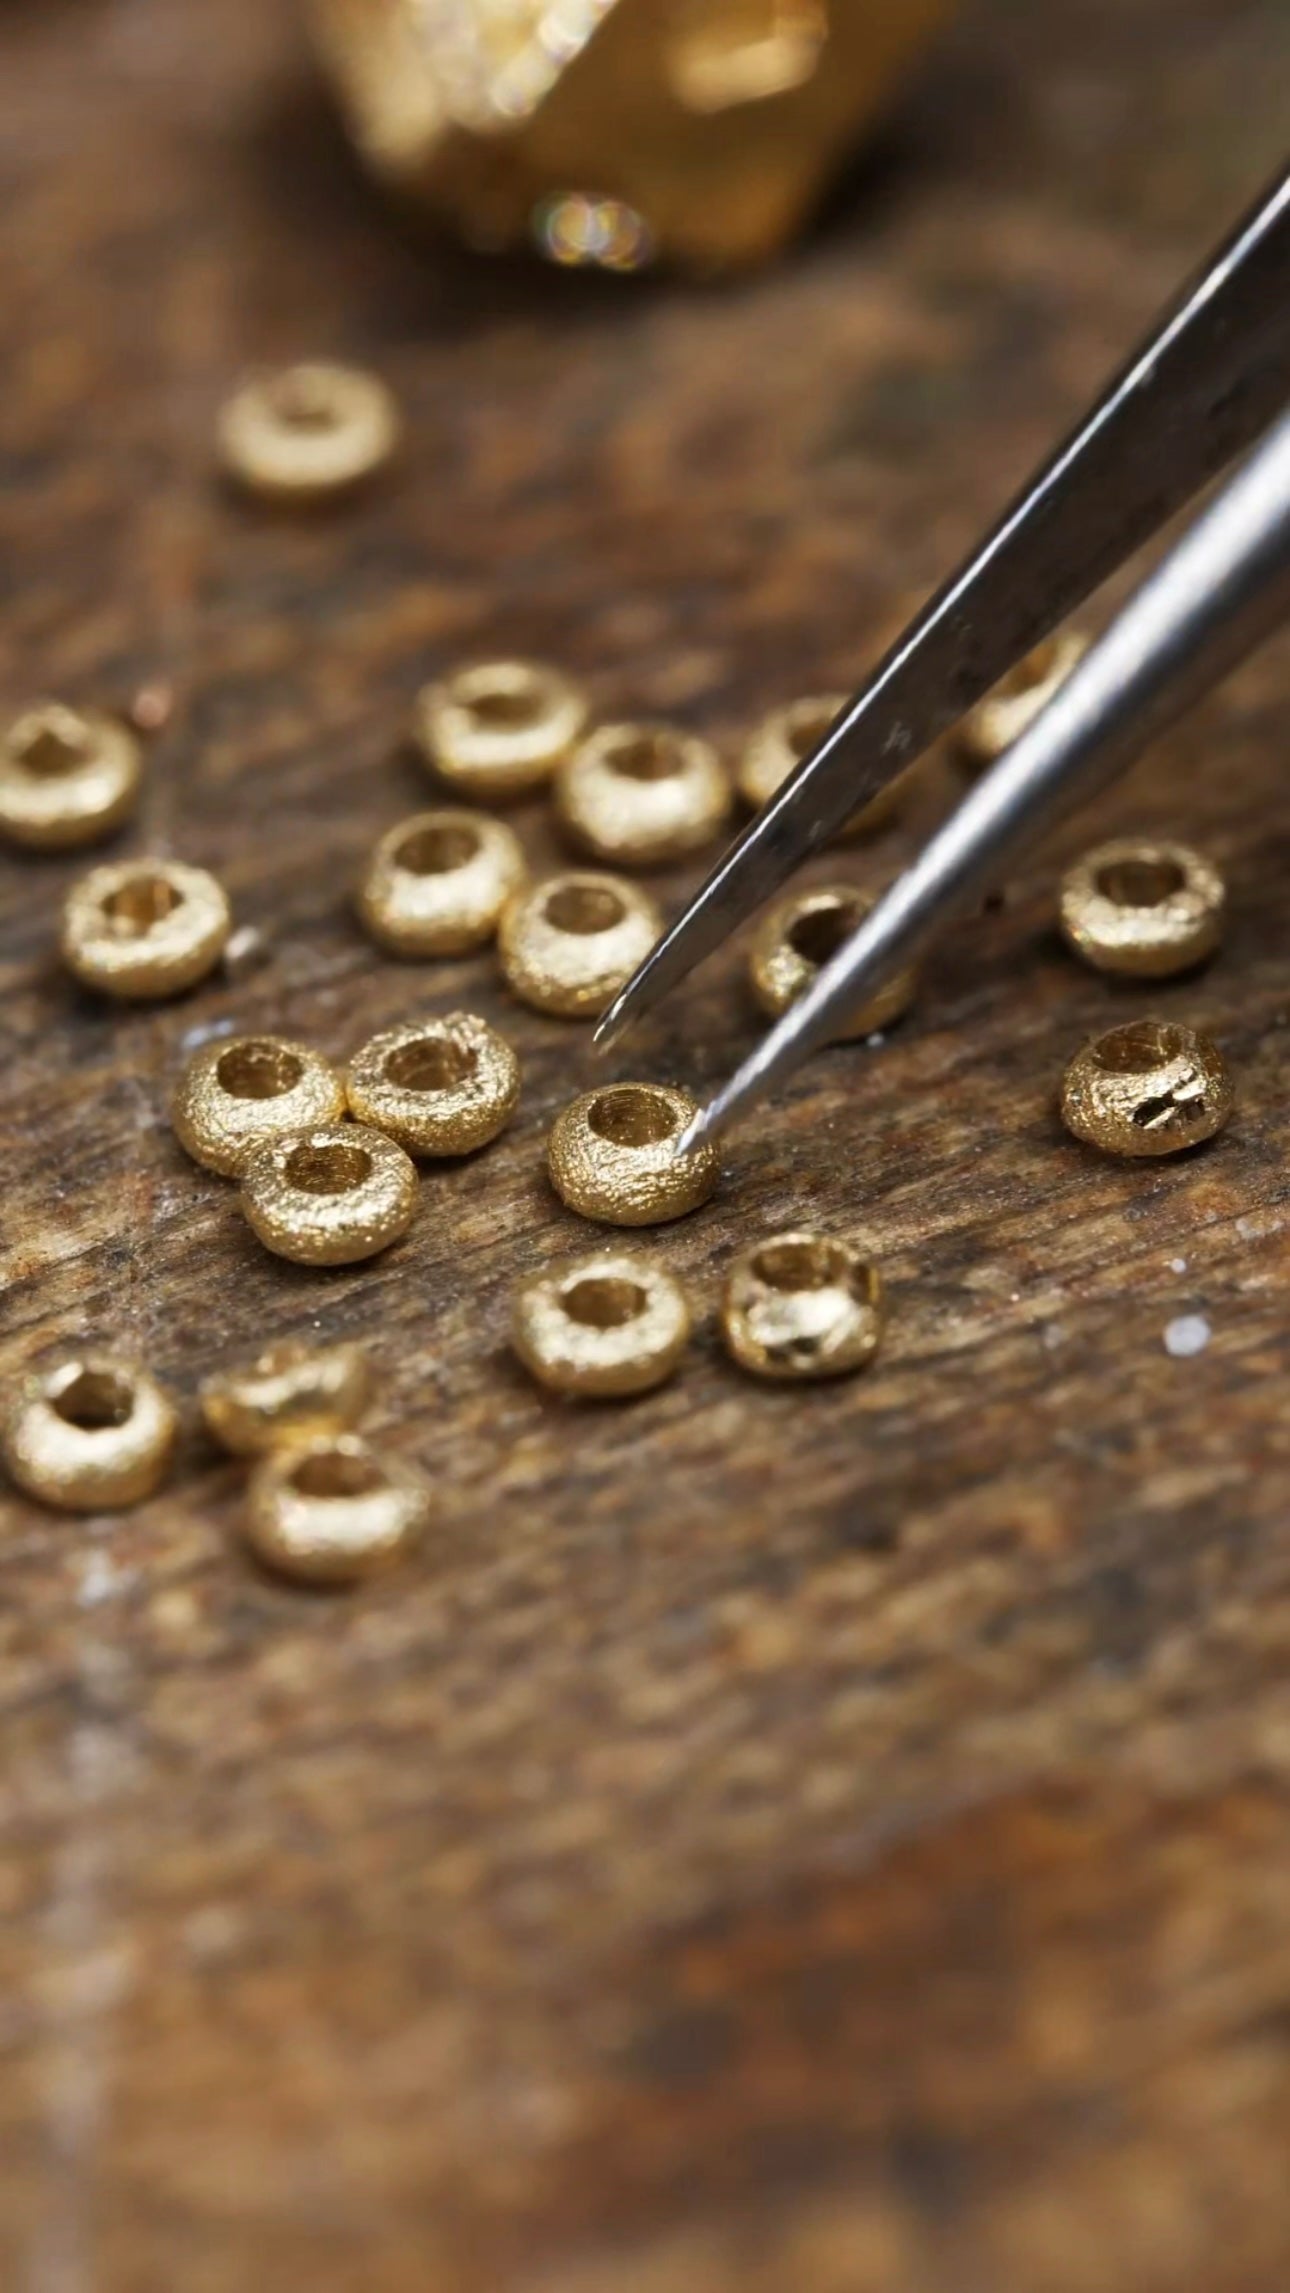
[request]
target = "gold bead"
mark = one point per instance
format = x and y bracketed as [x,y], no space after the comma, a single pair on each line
[332,1512]
[788,735]
[802,933]
[438,883]
[802,1305]
[235,1094]
[568,945]
[309,432]
[1143,909]
[1006,712]
[612,1156]
[67,777]
[329,1196]
[143,929]
[438,1086]
[601,1327]
[1148,1088]
[639,795]
[291,1393]
[499,729]
[90,1435]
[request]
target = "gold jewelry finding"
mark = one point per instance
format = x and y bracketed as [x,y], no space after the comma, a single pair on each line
[802,933]
[235,1094]
[779,745]
[309,432]
[90,1435]
[329,1196]
[143,929]
[437,884]
[638,795]
[67,777]
[1149,1088]
[331,1511]
[292,1392]
[499,728]
[1006,712]
[802,1305]
[1147,909]
[568,945]
[438,1086]
[612,1155]
[601,1327]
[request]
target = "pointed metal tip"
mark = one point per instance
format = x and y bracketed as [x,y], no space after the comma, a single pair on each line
[695,1134]
[609,1028]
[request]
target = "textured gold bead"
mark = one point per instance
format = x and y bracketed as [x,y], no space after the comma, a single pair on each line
[781,742]
[498,729]
[140,930]
[601,1327]
[1149,1088]
[1143,909]
[1006,712]
[638,795]
[92,1434]
[67,777]
[612,1155]
[332,1512]
[438,883]
[438,1086]
[309,432]
[802,1305]
[568,945]
[235,1094]
[802,933]
[329,1196]
[291,1393]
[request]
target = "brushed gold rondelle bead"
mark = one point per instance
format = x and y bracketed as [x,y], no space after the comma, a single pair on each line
[1149,1088]
[497,729]
[568,945]
[438,883]
[1014,703]
[67,777]
[781,742]
[91,1434]
[140,930]
[438,1086]
[612,1155]
[290,1393]
[601,1327]
[332,1512]
[802,1305]
[234,1094]
[802,933]
[638,795]
[309,432]
[1142,908]
[329,1196]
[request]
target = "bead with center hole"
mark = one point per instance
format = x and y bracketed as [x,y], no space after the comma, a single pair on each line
[639,795]
[800,1306]
[612,1155]
[802,933]
[438,1086]
[1142,909]
[1148,1088]
[438,884]
[329,1196]
[235,1093]
[88,1435]
[332,1512]
[569,944]
[498,729]
[67,777]
[140,930]
[290,1392]
[308,433]
[601,1327]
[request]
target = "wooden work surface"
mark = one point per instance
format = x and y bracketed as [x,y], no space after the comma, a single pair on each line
[833,1840]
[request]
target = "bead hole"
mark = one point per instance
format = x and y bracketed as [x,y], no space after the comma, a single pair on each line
[332,1168]
[817,935]
[305,401]
[141,904]
[95,1400]
[506,707]
[807,725]
[47,749]
[604,1302]
[810,1265]
[584,909]
[336,1474]
[258,1071]
[1033,671]
[434,1063]
[644,756]
[438,851]
[1138,1048]
[632,1117]
[1140,883]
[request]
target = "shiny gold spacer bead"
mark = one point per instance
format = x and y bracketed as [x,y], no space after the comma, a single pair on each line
[784,739]
[331,1512]
[1149,1088]
[802,1306]
[802,933]
[568,945]
[91,1435]
[1143,909]
[612,1156]
[639,795]
[329,1196]
[499,729]
[308,433]
[67,777]
[140,930]
[235,1094]
[1011,708]
[601,1327]
[438,883]
[438,1086]
[291,1393]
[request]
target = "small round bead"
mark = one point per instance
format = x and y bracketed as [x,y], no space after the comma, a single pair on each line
[500,728]
[143,929]
[438,883]
[1143,909]
[1006,712]
[438,1086]
[612,1156]
[292,1392]
[308,433]
[67,777]
[329,1196]
[785,738]
[1149,1088]
[568,945]
[601,1327]
[802,1306]
[802,933]
[639,795]
[91,1435]
[235,1094]
[331,1512]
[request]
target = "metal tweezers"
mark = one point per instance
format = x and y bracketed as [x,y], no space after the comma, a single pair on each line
[1211,378]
